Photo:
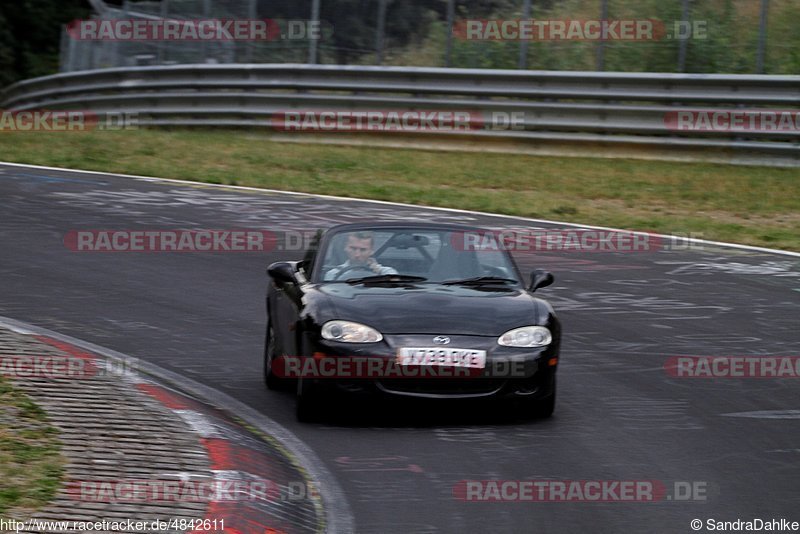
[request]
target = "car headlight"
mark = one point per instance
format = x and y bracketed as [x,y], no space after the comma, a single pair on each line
[350,332]
[527,336]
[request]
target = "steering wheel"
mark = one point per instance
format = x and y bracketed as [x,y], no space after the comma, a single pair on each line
[495,271]
[353,268]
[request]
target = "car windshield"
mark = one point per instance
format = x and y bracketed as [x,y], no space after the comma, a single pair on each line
[429,255]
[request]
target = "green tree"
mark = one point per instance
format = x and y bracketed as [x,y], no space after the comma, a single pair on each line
[30,33]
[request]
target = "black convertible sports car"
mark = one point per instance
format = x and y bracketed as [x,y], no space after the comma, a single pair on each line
[410,309]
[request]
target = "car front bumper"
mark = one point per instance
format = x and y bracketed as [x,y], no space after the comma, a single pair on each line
[510,372]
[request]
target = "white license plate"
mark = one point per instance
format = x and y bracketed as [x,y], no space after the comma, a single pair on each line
[444,357]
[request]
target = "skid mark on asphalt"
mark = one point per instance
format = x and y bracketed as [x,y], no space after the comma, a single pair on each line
[775,268]
[712,340]
[569,264]
[565,424]
[404,528]
[767,414]
[649,283]
[377,464]
[386,490]
[647,413]
[246,208]
[48,179]
[651,308]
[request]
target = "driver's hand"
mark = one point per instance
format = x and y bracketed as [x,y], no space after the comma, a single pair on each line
[373,265]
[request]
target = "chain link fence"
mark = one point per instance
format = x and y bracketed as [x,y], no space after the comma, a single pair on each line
[79,55]
[724,36]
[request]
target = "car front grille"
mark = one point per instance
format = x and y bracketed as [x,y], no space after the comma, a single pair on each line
[436,386]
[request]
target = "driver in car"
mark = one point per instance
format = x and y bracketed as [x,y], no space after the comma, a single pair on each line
[359,251]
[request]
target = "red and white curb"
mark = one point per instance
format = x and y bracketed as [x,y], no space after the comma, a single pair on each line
[232,457]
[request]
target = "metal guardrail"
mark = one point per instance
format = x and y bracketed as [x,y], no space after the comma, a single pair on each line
[576,113]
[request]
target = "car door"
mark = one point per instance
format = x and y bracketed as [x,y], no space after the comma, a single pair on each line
[290,301]
[285,307]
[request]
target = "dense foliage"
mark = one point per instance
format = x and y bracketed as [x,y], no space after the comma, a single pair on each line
[30,32]
[416,34]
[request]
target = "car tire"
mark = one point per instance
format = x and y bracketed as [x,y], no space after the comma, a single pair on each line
[272,381]
[307,406]
[539,408]
[545,408]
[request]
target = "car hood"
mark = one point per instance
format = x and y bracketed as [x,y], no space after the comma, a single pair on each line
[435,309]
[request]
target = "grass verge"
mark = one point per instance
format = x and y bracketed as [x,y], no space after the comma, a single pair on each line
[30,458]
[750,205]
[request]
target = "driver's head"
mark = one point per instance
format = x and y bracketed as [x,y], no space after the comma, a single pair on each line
[359,247]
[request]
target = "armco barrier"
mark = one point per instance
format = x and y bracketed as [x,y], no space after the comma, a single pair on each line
[575,113]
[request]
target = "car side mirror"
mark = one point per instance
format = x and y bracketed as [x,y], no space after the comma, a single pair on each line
[282,271]
[540,278]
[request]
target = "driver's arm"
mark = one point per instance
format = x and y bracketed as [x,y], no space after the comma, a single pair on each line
[333,273]
[377,268]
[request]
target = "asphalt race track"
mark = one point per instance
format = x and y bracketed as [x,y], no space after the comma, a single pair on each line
[620,415]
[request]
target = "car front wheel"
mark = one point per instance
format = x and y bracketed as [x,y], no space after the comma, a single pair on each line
[307,404]
[545,408]
[272,381]
[539,408]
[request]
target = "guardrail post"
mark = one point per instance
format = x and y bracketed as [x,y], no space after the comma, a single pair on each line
[451,16]
[206,15]
[683,43]
[523,44]
[601,44]
[762,37]
[313,44]
[160,47]
[63,51]
[252,13]
[380,33]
